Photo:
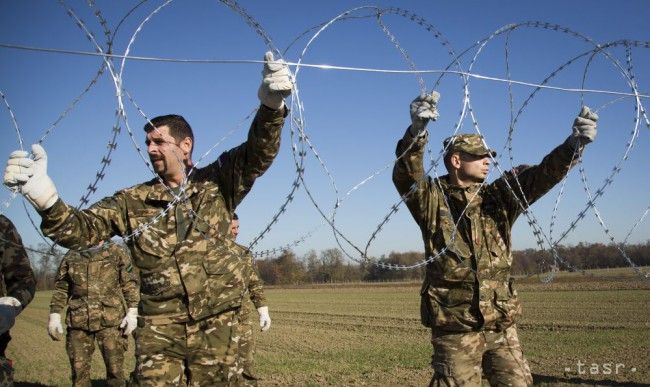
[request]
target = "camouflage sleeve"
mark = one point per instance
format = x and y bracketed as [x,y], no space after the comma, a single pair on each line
[256,286]
[236,170]
[537,180]
[61,287]
[77,229]
[128,278]
[18,274]
[410,180]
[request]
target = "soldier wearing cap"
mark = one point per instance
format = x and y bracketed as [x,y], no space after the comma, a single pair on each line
[467,298]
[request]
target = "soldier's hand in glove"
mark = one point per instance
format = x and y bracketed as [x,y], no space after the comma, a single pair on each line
[265,319]
[130,321]
[9,309]
[584,128]
[30,177]
[276,82]
[54,328]
[423,109]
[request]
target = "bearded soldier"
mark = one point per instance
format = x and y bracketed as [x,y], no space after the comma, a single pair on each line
[178,229]
[468,299]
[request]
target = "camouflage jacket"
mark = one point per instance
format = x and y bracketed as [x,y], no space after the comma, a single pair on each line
[255,285]
[468,286]
[199,274]
[17,278]
[95,285]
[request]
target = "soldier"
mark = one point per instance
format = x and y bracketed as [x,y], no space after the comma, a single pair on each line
[255,293]
[95,285]
[468,299]
[191,280]
[17,288]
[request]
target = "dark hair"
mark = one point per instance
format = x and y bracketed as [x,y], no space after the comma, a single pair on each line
[178,127]
[447,160]
[234,216]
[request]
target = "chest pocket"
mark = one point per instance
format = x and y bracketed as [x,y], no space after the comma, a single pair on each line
[78,273]
[154,241]
[108,271]
[224,265]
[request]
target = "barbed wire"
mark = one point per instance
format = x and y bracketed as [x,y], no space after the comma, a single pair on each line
[301,143]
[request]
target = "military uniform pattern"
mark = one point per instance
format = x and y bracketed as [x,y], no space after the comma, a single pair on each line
[17,280]
[253,299]
[80,345]
[457,355]
[468,286]
[201,353]
[95,285]
[181,280]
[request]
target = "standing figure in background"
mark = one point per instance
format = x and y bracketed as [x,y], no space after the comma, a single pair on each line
[95,285]
[255,293]
[17,288]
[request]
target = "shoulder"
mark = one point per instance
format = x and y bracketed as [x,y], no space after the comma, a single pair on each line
[5,222]
[7,227]
[140,190]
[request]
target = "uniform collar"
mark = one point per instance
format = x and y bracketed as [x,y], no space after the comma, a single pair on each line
[159,192]
[470,189]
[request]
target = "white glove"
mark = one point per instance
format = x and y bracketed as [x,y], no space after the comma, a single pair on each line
[31,177]
[265,319]
[276,82]
[13,301]
[584,128]
[54,328]
[130,321]
[423,109]
[9,309]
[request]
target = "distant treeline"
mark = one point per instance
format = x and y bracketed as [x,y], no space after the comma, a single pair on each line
[331,266]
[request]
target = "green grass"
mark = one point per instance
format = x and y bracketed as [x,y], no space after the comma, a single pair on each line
[370,335]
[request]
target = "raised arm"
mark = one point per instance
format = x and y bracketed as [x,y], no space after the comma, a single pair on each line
[537,180]
[236,170]
[67,226]
[408,171]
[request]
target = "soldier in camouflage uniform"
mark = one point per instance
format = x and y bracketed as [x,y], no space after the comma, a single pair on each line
[468,299]
[95,285]
[191,280]
[17,288]
[254,294]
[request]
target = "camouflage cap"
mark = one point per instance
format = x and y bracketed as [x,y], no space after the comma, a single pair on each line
[468,143]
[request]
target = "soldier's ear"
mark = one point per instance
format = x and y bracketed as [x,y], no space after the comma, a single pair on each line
[455,160]
[186,145]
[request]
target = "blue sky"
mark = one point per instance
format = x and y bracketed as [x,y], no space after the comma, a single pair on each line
[353,118]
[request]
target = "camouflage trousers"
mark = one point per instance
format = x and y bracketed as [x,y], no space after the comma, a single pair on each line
[6,365]
[195,353]
[80,345]
[246,344]
[460,359]
[6,372]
